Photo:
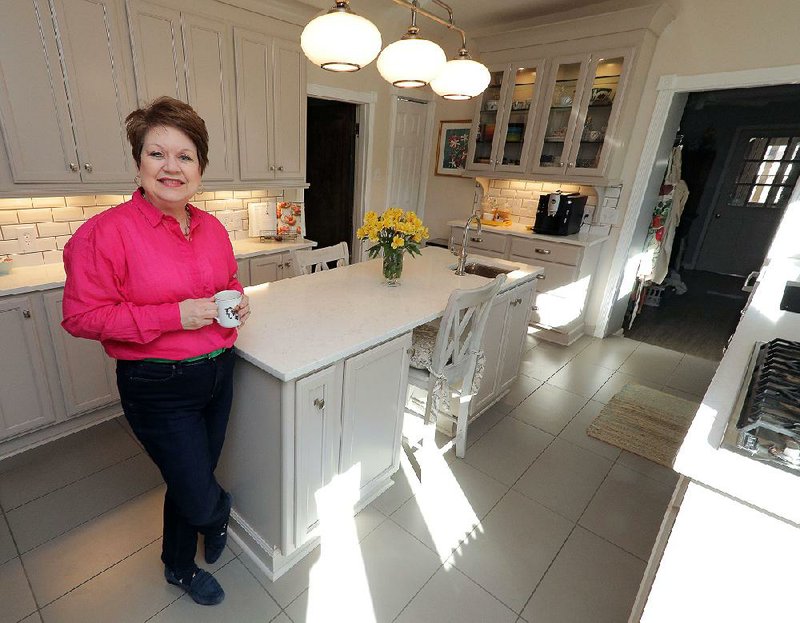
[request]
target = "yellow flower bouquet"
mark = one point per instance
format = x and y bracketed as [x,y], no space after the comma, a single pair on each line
[394,233]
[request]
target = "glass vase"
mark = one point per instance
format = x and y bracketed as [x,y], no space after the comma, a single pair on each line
[392,266]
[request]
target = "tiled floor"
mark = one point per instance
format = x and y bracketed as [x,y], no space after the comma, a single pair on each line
[539,523]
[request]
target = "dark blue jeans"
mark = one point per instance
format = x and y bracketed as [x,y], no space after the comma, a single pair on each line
[180,412]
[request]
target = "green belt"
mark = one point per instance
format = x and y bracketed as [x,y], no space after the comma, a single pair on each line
[211,355]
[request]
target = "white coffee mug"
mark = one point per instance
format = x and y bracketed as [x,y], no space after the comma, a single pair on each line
[227,301]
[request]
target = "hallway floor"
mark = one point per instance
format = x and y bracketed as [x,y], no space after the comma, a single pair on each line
[538,523]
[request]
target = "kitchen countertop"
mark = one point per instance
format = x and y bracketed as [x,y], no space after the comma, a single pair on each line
[700,458]
[49,276]
[522,231]
[303,324]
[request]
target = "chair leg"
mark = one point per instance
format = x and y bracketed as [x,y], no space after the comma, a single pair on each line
[462,415]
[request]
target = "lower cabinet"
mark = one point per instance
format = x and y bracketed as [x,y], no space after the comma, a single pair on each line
[87,374]
[268,268]
[25,401]
[348,422]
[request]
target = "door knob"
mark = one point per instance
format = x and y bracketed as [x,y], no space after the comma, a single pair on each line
[717,215]
[272,167]
[319,403]
[26,313]
[280,168]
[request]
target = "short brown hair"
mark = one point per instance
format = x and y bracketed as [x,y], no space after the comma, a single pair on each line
[167,112]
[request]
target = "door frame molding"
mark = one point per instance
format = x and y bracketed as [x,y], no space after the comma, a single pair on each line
[669,87]
[365,118]
[430,116]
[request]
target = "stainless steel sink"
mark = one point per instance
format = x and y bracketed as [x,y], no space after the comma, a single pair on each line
[483,270]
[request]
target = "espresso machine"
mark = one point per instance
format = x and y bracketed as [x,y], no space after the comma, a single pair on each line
[560,214]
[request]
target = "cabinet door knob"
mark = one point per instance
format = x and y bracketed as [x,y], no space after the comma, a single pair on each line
[541,276]
[570,164]
[280,265]
[272,167]
[514,303]
[476,239]
[561,163]
[280,168]
[26,313]
[88,167]
[73,166]
[542,251]
[319,403]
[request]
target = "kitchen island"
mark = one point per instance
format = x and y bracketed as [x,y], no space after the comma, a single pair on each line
[321,388]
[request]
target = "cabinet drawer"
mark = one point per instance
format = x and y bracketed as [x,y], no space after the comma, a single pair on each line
[544,250]
[489,241]
[555,275]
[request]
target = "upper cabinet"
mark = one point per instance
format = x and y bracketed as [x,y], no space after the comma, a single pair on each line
[189,57]
[65,91]
[553,118]
[504,119]
[582,103]
[270,101]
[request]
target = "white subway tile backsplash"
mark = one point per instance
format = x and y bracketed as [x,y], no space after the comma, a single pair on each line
[67,214]
[508,193]
[610,202]
[15,203]
[74,225]
[613,191]
[28,259]
[501,183]
[89,212]
[218,204]
[531,204]
[223,194]
[242,194]
[80,200]
[110,200]
[533,185]
[52,257]
[36,215]
[53,229]
[516,184]
[8,217]
[44,244]
[10,232]
[48,202]
[8,246]
[61,241]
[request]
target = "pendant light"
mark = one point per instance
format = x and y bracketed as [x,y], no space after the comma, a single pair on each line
[461,78]
[340,40]
[412,61]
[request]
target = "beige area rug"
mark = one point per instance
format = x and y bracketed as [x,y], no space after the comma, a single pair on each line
[646,422]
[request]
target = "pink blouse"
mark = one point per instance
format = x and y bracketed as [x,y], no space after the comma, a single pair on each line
[127,270]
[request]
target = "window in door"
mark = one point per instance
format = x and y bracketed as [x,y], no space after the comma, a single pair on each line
[768,172]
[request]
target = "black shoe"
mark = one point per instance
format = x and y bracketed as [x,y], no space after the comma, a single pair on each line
[215,542]
[202,587]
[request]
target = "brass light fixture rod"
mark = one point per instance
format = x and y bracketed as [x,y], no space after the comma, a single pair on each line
[448,23]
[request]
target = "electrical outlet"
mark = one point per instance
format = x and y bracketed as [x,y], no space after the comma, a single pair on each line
[588,214]
[26,235]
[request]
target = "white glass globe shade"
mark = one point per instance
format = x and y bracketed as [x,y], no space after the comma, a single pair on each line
[340,41]
[411,63]
[461,79]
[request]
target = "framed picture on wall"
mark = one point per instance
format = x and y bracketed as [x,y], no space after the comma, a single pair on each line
[451,151]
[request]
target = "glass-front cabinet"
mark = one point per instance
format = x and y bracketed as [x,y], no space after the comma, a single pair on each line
[504,118]
[580,114]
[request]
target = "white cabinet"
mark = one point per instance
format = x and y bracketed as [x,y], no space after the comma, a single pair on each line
[374,395]
[87,375]
[582,102]
[318,404]
[243,272]
[268,268]
[24,395]
[514,331]
[504,118]
[270,101]
[65,91]
[189,57]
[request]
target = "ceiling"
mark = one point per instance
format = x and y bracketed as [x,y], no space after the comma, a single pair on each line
[482,16]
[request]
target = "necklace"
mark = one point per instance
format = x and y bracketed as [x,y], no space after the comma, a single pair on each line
[187,229]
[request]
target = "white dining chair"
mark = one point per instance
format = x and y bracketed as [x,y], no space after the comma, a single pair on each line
[308,261]
[445,358]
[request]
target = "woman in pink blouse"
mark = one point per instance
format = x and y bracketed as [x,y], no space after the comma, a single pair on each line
[141,278]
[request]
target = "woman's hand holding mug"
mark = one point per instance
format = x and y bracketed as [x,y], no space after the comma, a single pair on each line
[196,313]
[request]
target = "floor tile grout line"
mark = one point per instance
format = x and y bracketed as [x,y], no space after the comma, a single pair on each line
[21,564]
[105,512]
[264,588]
[82,478]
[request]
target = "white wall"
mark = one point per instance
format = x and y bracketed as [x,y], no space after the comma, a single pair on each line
[707,36]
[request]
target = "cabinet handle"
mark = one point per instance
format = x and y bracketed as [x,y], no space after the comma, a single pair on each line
[280,168]
[476,239]
[410,351]
[541,276]
[272,167]
[535,308]
[73,166]
[26,313]
[542,251]
[88,167]
[519,301]
[514,303]
[319,403]
[280,265]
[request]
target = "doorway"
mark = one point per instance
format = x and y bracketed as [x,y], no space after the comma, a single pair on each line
[410,144]
[740,152]
[331,171]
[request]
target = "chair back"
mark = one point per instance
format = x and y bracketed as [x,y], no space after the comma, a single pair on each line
[307,261]
[461,329]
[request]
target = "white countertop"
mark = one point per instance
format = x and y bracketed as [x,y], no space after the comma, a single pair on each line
[48,276]
[303,324]
[700,458]
[522,231]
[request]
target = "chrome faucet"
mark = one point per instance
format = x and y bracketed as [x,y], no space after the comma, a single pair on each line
[462,257]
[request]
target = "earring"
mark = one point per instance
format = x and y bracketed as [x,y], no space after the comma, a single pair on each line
[137,180]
